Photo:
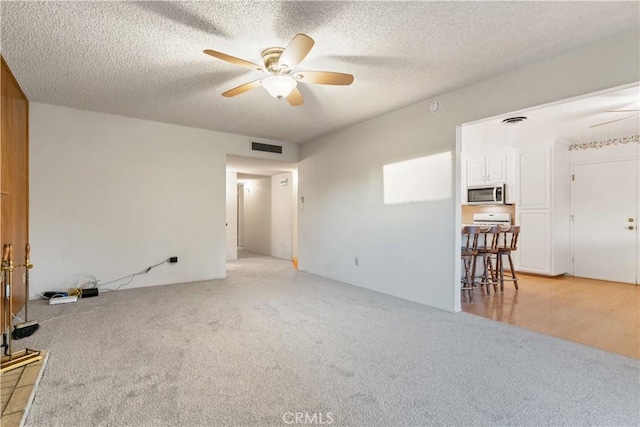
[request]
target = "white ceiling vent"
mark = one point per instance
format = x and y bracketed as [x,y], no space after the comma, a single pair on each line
[514,120]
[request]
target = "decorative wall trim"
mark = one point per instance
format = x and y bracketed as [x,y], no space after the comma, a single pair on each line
[605,143]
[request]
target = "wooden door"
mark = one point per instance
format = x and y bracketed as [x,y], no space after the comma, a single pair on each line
[14,178]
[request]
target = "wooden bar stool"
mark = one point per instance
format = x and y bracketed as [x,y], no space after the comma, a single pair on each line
[487,248]
[469,252]
[507,243]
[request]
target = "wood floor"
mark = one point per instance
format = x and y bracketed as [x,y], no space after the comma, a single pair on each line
[605,315]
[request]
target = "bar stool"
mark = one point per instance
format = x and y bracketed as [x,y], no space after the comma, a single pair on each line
[469,251]
[487,248]
[507,243]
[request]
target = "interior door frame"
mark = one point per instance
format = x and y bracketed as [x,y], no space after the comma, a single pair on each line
[622,159]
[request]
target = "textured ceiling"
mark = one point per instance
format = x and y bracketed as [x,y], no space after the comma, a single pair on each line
[145,60]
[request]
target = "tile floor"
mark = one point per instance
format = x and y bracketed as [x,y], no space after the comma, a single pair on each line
[17,387]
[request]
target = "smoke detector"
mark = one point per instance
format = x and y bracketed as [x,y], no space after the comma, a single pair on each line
[514,120]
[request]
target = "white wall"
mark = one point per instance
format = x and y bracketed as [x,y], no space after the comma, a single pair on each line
[112,195]
[612,152]
[282,216]
[412,250]
[232,215]
[241,215]
[257,215]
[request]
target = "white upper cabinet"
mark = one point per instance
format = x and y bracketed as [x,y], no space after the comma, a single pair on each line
[496,169]
[476,174]
[534,166]
[487,170]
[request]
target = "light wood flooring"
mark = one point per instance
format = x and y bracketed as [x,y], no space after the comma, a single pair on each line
[600,314]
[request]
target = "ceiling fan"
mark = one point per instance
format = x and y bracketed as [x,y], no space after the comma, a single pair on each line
[279,64]
[637,111]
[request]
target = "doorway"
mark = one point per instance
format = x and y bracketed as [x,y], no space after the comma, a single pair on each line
[604,220]
[261,208]
[602,245]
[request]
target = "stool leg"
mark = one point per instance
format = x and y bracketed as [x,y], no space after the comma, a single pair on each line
[501,261]
[474,259]
[495,276]
[513,271]
[467,276]
[487,268]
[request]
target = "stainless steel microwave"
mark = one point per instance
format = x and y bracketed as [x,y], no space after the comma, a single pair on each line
[486,195]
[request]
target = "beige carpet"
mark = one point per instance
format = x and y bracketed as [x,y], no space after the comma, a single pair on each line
[270,343]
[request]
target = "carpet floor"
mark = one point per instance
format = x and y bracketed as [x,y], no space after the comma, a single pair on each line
[272,346]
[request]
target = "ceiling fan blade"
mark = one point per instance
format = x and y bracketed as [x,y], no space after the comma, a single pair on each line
[296,51]
[324,77]
[295,98]
[234,60]
[242,88]
[617,120]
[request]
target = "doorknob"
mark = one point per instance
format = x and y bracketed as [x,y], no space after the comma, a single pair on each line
[630,219]
[631,227]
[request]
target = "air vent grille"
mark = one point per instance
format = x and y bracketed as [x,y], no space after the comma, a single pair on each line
[514,120]
[259,146]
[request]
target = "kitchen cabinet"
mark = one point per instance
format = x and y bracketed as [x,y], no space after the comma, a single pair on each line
[533,243]
[543,208]
[487,170]
[534,167]
[490,169]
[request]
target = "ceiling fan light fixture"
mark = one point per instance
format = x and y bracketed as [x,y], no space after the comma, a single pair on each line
[279,86]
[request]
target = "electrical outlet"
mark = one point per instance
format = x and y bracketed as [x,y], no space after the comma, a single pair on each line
[173,259]
[357,261]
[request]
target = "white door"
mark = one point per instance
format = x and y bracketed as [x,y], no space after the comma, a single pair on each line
[605,220]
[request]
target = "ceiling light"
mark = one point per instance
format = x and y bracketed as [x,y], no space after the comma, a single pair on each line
[279,86]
